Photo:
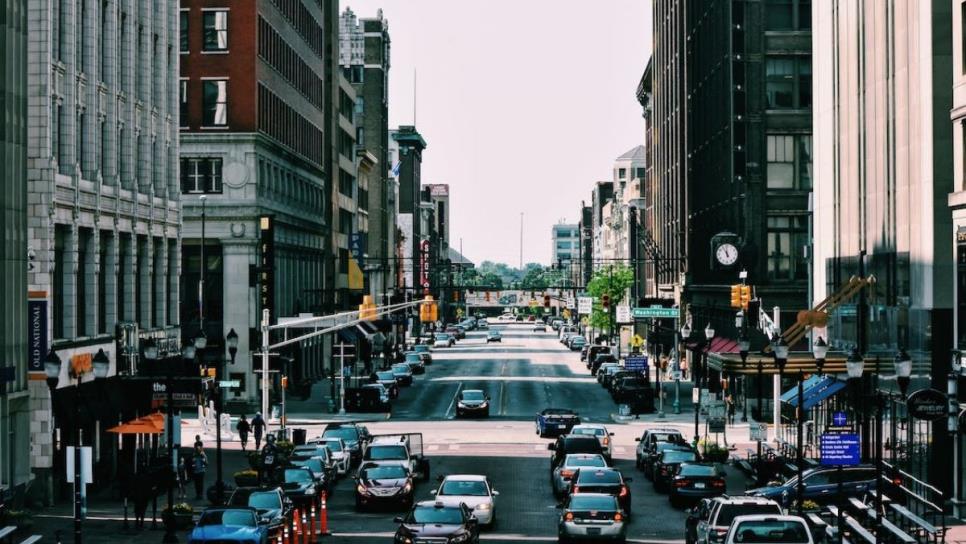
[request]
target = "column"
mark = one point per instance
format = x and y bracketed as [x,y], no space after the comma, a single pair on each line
[111,271]
[145,272]
[109,44]
[174,273]
[89,276]
[125,61]
[127,252]
[89,18]
[237,256]
[160,288]
[68,137]
[69,275]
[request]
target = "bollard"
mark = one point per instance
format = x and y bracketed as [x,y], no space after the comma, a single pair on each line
[287,539]
[323,516]
[312,524]
[278,538]
[296,526]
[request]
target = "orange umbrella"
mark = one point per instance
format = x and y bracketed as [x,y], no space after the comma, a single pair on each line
[135,427]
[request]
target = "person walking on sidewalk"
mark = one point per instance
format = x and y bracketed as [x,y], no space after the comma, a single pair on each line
[199,465]
[243,429]
[258,428]
[730,401]
[182,477]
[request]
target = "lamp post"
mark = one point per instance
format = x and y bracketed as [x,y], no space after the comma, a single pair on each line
[151,354]
[743,346]
[52,368]
[685,333]
[780,350]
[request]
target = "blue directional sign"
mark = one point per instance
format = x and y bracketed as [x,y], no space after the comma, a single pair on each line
[840,419]
[840,449]
[638,364]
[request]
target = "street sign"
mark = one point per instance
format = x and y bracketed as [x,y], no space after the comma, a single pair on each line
[840,449]
[655,313]
[675,374]
[716,425]
[840,419]
[229,383]
[637,341]
[585,305]
[624,314]
[566,313]
[927,404]
[638,364]
[758,432]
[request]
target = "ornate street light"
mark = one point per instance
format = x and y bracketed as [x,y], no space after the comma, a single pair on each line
[709,332]
[855,364]
[52,368]
[781,354]
[820,350]
[102,365]
[232,340]
[201,341]
[903,364]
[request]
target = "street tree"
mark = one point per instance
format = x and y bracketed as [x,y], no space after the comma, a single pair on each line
[611,280]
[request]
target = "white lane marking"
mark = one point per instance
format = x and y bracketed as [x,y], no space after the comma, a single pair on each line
[498,537]
[620,449]
[432,447]
[540,379]
[454,447]
[453,402]
[539,447]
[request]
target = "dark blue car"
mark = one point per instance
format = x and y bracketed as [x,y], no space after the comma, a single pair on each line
[229,525]
[822,485]
[556,421]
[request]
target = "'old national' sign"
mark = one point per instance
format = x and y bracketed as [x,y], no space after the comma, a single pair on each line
[927,404]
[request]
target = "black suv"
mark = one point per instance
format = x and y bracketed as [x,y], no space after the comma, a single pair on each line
[354,435]
[572,443]
[647,448]
[432,521]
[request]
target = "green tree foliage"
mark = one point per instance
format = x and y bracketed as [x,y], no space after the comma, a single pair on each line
[612,280]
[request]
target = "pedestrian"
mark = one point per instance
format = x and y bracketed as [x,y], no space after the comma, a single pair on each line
[269,459]
[730,401]
[199,465]
[198,442]
[182,477]
[142,497]
[243,429]
[258,428]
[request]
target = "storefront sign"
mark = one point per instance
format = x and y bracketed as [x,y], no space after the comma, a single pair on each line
[638,364]
[424,263]
[36,332]
[585,305]
[266,264]
[184,394]
[624,314]
[927,404]
[840,449]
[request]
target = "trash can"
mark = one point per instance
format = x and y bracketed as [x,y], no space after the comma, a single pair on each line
[298,437]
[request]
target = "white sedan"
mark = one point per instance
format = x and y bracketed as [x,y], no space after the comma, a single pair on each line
[473,490]
[602,434]
[338,451]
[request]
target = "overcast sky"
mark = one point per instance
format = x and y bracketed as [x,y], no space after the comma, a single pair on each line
[524,104]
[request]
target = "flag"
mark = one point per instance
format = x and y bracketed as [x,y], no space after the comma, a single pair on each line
[395,169]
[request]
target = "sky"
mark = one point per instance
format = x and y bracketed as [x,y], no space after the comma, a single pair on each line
[524,104]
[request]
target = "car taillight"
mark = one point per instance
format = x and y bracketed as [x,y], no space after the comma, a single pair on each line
[624,491]
[569,516]
[718,483]
[897,481]
[567,474]
[618,517]
[681,483]
[576,489]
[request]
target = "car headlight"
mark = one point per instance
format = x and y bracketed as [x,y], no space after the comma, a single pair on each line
[461,405]
[486,506]
[407,488]
[362,489]
[403,539]
[462,537]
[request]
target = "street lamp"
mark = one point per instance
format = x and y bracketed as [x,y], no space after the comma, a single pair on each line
[903,367]
[820,350]
[151,353]
[53,366]
[781,356]
[232,340]
[744,345]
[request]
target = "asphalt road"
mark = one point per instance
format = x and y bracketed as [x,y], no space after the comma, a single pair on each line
[525,373]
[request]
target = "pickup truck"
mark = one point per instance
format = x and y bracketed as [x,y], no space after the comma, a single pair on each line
[555,421]
[404,449]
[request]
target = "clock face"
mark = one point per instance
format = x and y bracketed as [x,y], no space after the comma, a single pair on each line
[727,254]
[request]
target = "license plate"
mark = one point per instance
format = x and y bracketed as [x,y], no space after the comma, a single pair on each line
[699,486]
[593,530]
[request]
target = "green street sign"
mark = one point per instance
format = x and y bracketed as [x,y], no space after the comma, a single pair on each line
[229,383]
[655,313]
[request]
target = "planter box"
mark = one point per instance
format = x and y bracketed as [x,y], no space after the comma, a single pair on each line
[246,481]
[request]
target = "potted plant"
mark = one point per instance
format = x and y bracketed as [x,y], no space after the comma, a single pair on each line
[713,452]
[246,478]
[20,518]
[808,506]
[182,514]
[255,460]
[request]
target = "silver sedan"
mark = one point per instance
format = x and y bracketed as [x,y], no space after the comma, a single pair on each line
[562,474]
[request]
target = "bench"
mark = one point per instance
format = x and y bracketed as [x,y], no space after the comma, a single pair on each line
[856,529]
[860,506]
[32,540]
[7,531]
[911,521]
[898,534]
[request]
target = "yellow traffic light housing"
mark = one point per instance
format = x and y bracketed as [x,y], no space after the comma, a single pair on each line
[428,312]
[367,310]
[736,296]
[605,301]
[745,296]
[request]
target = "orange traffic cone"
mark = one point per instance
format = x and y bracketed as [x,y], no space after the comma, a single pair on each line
[324,516]
[312,524]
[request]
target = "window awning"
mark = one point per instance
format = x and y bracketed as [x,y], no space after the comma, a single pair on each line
[820,390]
[367,329]
[792,393]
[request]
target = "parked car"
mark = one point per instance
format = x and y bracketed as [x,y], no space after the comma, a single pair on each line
[555,421]
[592,352]
[274,509]
[600,359]
[625,389]
[603,370]
[611,371]
[560,478]
[593,517]
[615,377]
[383,484]
[666,465]
[569,444]
[473,490]
[417,361]
[540,327]
[577,343]
[822,485]
[354,435]
[435,522]
[445,339]
[598,431]
[339,451]
[403,373]
[583,352]
[306,451]
[472,402]
[695,481]
[458,332]
[647,443]
[724,510]
[225,525]
[314,464]
[494,336]
[388,380]
[659,449]
[301,486]
[603,480]
[482,324]
[770,529]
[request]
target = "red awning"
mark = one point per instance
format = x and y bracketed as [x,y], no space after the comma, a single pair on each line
[720,344]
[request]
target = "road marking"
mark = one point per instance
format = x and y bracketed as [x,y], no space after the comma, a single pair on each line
[539,379]
[432,447]
[454,447]
[539,447]
[452,402]
[498,537]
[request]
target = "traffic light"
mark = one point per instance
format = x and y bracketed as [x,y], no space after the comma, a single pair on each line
[428,311]
[745,296]
[752,314]
[736,296]
[367,310]
[605,301]
[284,382]
[546,301]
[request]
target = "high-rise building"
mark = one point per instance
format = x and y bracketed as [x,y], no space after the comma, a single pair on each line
[601,198]
[350,216]
[257,180]
[104,222]
[411,226]
[14,325]
[364,58]
[957,204]
[884,168]
[566,243]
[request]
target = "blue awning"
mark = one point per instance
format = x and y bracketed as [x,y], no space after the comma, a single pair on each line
[792,394]
[814,394]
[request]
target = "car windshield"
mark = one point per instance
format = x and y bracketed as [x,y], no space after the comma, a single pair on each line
[591,477]
[380,453]
[473,395]
[333,445]
[234,518]
[297,475]
[421,347]
[401,368]
[345,433]
[593,502]
[589,431]
[431,514]
[384,376]
[727,512]
[777,531]
[667,446]
[315,465]
[388,472]
[585,461]
[697,470]
[678,457]
[474,488]
[557,412]
[265,499]
[312,451]
[582,445]
[414,357]
[442,336]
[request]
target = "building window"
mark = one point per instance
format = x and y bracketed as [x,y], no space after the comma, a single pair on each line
[789,82]
[622,173]
[346,182]
[183,32]
[787,237]
[360,136]
[343,261]
[183,103]
[201,175]
[215,103]
[216,30]
[788,15]
[639,173]
[345,221]
[789,161]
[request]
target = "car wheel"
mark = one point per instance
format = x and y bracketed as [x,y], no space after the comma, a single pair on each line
[675,503]
[486,413]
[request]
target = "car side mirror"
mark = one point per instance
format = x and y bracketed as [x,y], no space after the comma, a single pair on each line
[612,434]
[637,439]
[496,493]
[398,519]
[434,491]
[628,480]
[550,447]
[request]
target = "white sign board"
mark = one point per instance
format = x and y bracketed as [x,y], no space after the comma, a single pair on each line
[758,432]
[585,305]
[86,472]
[624,314]
[675,374]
